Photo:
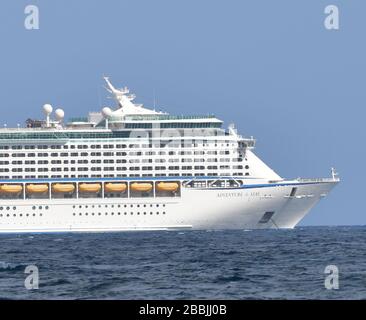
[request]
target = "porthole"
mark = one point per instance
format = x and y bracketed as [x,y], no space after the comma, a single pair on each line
[80,214]
[99,214]
[131,213]
[1,208]
[157,205]
[34,214]
[40,207]
[14,208]
[163,212]
[34,207]
[14,215]
[7,215]
[80,207]
[46,207]
[73,206]
[74,214]
[7,208]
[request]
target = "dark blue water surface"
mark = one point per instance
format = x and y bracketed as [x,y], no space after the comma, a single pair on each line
[272,264]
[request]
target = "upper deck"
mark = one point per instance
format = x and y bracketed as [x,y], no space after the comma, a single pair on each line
[126,120]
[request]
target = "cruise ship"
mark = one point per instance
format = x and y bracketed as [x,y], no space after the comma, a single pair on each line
[131,168]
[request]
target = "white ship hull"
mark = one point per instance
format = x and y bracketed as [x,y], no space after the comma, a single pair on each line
[249,207]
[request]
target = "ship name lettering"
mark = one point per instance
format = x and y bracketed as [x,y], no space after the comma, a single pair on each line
[229,194]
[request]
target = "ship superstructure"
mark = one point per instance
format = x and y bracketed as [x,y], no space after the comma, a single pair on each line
[133,168]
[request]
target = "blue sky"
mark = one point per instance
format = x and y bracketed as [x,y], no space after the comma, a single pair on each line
[269,66]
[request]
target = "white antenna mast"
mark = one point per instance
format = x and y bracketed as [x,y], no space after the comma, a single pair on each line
[154,99]
[47,109]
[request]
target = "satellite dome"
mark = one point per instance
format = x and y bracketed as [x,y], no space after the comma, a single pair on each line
[47,109]
[60,114]
[107,112]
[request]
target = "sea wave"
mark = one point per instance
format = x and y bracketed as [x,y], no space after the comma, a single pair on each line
[9,266]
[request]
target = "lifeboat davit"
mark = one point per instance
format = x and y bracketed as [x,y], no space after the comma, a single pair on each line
[167,186]
[63,187]
[115,187]
[90,187]
[142,187]
[11,188]
[36,188]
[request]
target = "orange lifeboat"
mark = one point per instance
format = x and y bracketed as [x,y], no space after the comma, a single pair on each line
[90,187]
[142,187]
[63,187]
[11,188]
[167,186]
[115,187]
[36,188]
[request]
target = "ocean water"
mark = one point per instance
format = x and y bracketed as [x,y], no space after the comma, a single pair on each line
[242,264]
